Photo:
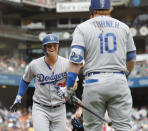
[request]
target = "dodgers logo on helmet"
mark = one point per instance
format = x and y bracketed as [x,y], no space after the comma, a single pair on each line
[50,38]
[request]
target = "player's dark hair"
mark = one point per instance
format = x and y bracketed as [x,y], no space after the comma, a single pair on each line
[102,11]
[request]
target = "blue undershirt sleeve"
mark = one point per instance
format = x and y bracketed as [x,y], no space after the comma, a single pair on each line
[71,78]
[22,88]
[131,55]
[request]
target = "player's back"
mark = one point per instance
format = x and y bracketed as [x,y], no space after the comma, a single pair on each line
[105,40]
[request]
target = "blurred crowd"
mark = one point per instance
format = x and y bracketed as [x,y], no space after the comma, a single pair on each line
[22,120]
[66,0]
[12,65]
[16,121]
[140,70]
[140,118]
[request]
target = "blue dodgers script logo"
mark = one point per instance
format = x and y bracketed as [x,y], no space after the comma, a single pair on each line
[51,79]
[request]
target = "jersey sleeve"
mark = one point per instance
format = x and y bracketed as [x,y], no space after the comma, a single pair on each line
[77,47]
[28,75]
[78,38]
[130,43]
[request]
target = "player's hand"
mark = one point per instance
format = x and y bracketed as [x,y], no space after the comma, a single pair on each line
[61,91]
[78,113]
[16,103]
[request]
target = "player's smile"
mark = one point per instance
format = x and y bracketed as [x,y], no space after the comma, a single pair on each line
[53,47]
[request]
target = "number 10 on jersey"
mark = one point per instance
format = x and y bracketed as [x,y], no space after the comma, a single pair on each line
[104,40]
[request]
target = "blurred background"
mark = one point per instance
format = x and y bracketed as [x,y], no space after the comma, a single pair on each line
[23,23]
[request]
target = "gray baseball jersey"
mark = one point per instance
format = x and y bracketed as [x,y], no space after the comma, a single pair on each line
[45,79]
[106,41]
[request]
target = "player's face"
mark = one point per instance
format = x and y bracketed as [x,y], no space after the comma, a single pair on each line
[52,48]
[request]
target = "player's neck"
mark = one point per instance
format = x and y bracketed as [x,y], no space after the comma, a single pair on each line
[51,60]
[101,15]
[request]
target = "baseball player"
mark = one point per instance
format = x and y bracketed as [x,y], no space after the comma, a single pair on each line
[79,91]
[77,120]
[49,73]
[108,49]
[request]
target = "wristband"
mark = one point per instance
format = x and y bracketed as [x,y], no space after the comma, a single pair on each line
[71,77]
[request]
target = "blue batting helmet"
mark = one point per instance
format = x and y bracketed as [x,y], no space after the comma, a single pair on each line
[99,5]
[90,10]
[49,38]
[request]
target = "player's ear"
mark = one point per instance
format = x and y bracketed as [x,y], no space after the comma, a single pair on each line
[110,10]
[58,45]
[45,47]
[91,16]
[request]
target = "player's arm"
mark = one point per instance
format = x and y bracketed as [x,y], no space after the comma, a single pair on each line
[75,62]
[76,59]
[73,71]
[131,53]
[21,91]
[78,113]
[23,86]
[131,61]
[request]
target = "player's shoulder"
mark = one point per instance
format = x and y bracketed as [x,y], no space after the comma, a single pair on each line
[37,60]
[83,24]
[122,24]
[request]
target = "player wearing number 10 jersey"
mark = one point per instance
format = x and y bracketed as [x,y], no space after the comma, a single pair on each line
[108,49]
[106,42]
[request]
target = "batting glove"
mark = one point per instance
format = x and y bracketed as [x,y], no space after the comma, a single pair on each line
[69,94]
[61,91]
[16,103]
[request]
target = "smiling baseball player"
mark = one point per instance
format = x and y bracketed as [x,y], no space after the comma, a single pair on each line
[108,49]
[49,73]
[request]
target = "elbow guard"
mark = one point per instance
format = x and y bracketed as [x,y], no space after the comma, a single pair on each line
[77,54]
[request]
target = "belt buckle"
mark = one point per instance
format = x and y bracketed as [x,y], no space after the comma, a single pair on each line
[56,106]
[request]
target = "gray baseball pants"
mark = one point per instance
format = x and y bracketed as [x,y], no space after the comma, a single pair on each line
[49,119]
[111,93]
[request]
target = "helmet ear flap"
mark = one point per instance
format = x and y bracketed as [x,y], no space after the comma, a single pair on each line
[44,50]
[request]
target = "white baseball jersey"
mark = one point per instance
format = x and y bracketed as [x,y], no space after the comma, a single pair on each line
[107,37]
[45,79]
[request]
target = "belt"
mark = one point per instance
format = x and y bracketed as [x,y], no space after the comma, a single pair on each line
[47,105]
[94,73]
